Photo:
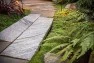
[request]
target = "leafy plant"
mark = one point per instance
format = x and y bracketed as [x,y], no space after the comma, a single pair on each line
[85,6]
[81,41]
[78,41]
[72,15]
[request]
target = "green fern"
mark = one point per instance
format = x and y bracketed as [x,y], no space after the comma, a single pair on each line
[75,42]
[59,47]
[74,57]
[77,46]
[62,39]
[64,50]
[66,55]
[87,43]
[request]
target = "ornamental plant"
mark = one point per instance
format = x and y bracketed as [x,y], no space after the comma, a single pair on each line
[85,6]
[78,41]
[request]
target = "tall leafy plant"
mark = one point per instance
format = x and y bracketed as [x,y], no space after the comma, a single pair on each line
[80,41]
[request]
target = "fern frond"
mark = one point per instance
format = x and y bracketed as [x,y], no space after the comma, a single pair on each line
[74,57]
[75,42]
[65,49]
[86,43]
[66,55]
[62,39]
[59,46]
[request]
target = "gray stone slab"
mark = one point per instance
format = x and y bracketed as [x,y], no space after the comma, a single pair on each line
[4,59]
[33,32]
[31,17]
[42,22]
[39,27]
[24,48]
[3,45]
[12,32]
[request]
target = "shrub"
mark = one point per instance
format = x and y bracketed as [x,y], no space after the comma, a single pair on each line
[79,39]
[13,7]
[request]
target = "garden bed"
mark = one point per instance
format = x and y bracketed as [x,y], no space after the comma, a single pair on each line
[64,23]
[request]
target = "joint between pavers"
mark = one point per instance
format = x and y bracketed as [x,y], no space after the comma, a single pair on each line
[24,30]
[5,47]
[17,37]
[30,36]
[42,40]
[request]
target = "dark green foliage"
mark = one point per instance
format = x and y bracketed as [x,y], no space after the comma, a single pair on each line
[77,46]
[71,1]
[86,4]
[65,1]
[87,7]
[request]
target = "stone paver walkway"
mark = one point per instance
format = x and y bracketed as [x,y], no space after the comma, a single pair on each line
[43,7]
[28,42]
[20,41]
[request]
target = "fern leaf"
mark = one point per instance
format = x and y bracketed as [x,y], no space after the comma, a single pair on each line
[66,55]
[65,49]
[59,46]
[75,42]
[86,43]
[74,57]
[58,38]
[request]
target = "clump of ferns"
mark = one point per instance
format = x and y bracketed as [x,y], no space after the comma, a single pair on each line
[79,41]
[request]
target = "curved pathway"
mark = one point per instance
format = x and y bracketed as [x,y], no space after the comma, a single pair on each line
[43,7]
[20,41]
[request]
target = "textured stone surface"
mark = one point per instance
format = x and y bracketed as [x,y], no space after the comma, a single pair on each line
[43,7]
[31,17]
[24,48]
[12,32]
[11,60]
[3,45]
[33,32]
[39,27]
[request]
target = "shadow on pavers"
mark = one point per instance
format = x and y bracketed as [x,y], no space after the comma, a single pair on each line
[4,59]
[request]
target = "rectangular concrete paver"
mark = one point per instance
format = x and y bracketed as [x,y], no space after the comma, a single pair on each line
[24,48]
[39,27]
[4,59]
[27,44]
[31,17]
[12,32]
